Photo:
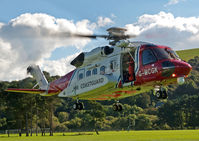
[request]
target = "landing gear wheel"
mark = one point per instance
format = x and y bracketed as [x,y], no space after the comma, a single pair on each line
[161,94]
[78,106]
[120,108]
[164,94]
[117,107]
[75,106]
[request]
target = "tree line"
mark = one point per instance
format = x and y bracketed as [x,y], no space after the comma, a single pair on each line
[27,112]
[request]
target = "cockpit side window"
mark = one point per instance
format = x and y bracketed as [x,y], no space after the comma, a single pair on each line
[161,53]
[148,57]
[172,53]
[165,53]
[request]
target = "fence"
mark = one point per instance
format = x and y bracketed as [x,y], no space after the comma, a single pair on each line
[20,132]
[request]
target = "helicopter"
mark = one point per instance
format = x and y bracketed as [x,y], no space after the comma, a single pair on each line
[115,71]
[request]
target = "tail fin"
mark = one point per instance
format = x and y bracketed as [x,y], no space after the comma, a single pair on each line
[36,72]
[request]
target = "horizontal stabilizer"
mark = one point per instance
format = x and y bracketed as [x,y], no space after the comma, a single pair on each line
[31,91]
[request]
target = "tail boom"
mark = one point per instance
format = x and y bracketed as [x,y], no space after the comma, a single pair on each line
[34,91]
[46,89]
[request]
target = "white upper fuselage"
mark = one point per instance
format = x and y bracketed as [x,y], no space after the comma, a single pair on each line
[97,71]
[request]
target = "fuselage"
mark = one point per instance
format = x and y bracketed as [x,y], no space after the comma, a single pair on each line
[118,72]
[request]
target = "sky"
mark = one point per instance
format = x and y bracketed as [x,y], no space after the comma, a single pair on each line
[30,31]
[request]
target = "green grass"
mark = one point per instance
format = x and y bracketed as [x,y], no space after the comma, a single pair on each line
[167,135]
[188,54]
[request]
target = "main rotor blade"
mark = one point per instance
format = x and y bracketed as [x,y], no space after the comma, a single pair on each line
[89,36]
[131,36]
[75,35]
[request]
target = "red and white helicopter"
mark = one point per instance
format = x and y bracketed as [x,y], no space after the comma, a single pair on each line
[118,70]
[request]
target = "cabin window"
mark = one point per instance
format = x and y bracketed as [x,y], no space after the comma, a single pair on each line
[148,57]
[88,73]
[94,72]
[113,65]
[81,74]
[102,70]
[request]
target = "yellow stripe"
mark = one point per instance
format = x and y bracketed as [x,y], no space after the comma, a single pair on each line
[21,91]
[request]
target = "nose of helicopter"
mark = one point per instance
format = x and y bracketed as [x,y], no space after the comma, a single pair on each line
[182,68]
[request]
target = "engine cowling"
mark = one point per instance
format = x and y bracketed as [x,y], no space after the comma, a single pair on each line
[85,58]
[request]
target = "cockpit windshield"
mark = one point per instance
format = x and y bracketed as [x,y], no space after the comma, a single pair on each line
[165,53]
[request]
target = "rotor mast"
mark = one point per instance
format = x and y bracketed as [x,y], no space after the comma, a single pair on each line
[116,34]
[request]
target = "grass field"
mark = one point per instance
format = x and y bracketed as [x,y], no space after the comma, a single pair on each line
[167,135]
[188,54]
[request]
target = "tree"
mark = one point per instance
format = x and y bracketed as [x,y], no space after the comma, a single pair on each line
[63,116]
[52,102]
[180,113]
[96,111]
[143,100]
[142,122]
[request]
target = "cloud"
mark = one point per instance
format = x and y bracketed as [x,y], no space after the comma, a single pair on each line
[104,21]
[172,2]
[163,28]
[62,65]
[31,38]
[1,24]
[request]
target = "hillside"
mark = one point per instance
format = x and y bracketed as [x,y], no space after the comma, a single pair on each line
[188,54]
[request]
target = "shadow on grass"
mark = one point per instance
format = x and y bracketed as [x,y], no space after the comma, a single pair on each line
[8,137]
[78,134]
